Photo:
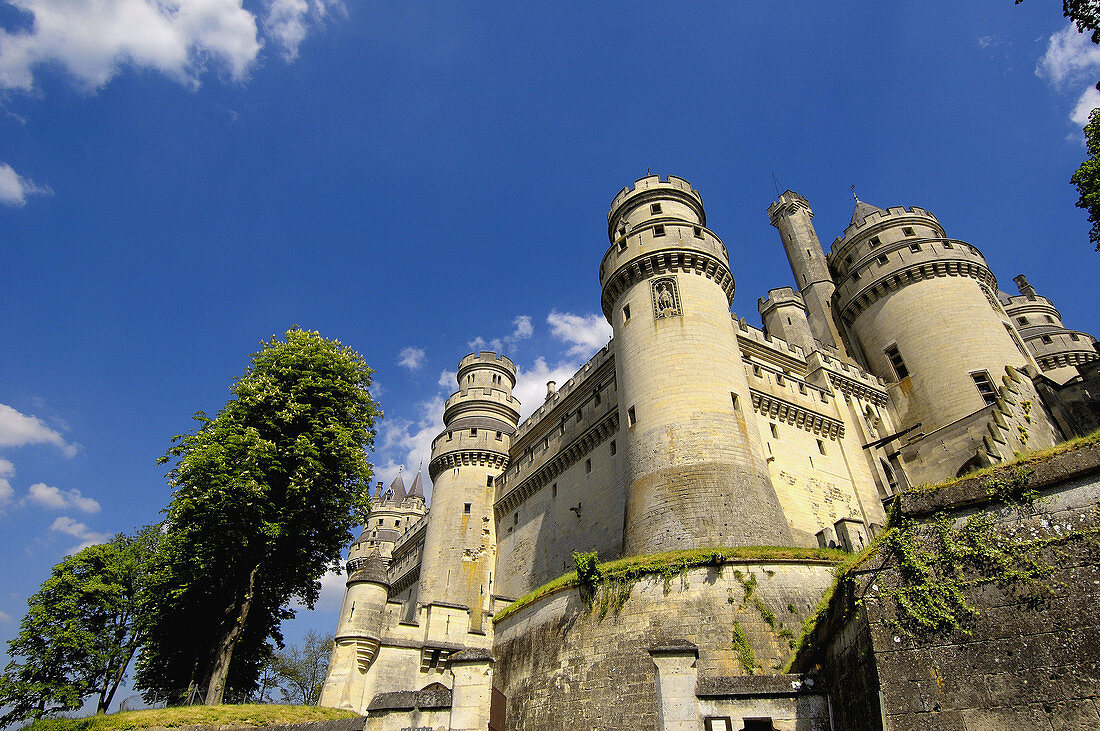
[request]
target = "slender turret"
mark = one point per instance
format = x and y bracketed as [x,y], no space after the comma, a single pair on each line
[793,217]
[695,471]
[1057,349]
[460,544]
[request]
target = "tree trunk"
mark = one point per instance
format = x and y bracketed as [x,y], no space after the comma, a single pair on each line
[109,690]
[215,692]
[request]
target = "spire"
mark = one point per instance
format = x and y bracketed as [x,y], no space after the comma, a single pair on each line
[862,210]
[397,488]
[417,489]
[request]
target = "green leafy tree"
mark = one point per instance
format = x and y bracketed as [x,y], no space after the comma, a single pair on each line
[302,671]
[81,630]
[1087,177]
[265,496]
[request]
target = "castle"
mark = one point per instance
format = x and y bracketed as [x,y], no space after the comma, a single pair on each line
[886,366]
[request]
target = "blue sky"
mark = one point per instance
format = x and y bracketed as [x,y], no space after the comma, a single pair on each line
[417,180]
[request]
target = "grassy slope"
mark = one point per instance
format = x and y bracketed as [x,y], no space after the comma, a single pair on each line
[239,716]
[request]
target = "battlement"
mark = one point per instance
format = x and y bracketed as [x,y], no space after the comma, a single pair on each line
[893,214]
[789,202]
[653,182]
[780,296]
[747,334]
[606,353]
[486,358]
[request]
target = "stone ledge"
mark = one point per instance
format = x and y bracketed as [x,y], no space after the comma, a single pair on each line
[435,695]
[759,685]
[975,491]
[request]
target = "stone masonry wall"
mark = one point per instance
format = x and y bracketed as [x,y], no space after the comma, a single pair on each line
[561,665]
[1029,658]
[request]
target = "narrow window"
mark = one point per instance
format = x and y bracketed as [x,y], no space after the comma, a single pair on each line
[802,388]
[626,312]
[448,436]
[631,419]
[580,416]
[775,431]
[824,397]
[883,259]
[612,447]
[875,241]
[948,245]
[587,466]
[658,230]
[466,508]
[1046,339]
[622,245]
[756,370]
[914,247]
[779,380]
[891,478]
[895,360]
[489,481]
[698,232]
[985,386]
[855,274]
[473,432]
[515,518]
[1074,336]
[1021,320]
[736,405]
[655,208]
[908,231]
[500,436]
[1049,318]
[554,490]
[821,446]
[596,397]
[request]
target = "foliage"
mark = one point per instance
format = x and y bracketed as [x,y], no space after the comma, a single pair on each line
[588,574]
[266,493]
[211,716]
[743,649]
[302,672]
[1087,177]
[668,565]
[81,630]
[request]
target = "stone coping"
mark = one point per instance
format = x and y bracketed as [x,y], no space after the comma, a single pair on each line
[435,695]
[1037,474]
[759,685]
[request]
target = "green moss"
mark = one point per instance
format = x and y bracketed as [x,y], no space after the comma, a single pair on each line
[236,716]
[743,650]
[667,565]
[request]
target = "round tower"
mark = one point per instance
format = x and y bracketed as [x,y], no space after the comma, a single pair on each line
[460,544]
[783,313]
[695,471]
[921,310]
[1057,349]
[792,216]
[358,632]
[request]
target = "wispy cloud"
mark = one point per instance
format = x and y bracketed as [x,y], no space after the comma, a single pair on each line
[78,530]
[17,430]
[585,334]
[182,39]
[522,329]
[1072,63]
[14,188]
[531,382]
[5,618]
[7,469]
[56,499]
[411,358]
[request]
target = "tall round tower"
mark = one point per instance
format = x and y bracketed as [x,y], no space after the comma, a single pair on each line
[460,544]
[921,310]
[1057,349]
[695,470]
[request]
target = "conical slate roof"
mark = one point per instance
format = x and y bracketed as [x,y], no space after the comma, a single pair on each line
[417,489]
[862,211]
[397,489]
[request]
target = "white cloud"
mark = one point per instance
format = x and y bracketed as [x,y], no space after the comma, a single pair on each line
[531,383]
[6,493]
[86,535]
[411,358]
[1089,100]
[7,469]
[14,188]
[93,40]
[585,334]
[17,430]
[1072,60]
[522,329]
[448,379]
[407,443]
[54,499]
[287,21]
[5,618]
[987,41]
[1071,56]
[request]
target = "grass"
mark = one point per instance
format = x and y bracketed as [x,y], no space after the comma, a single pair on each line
[1028,458]
[241,716]
[671,563]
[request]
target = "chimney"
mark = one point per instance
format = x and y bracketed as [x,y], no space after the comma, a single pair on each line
[1025,288]
[551,388]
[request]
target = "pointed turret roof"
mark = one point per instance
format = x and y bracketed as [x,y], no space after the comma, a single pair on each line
[417,490]
[397,488]
[862,211]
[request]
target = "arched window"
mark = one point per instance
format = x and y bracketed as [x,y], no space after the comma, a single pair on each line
[891,477]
